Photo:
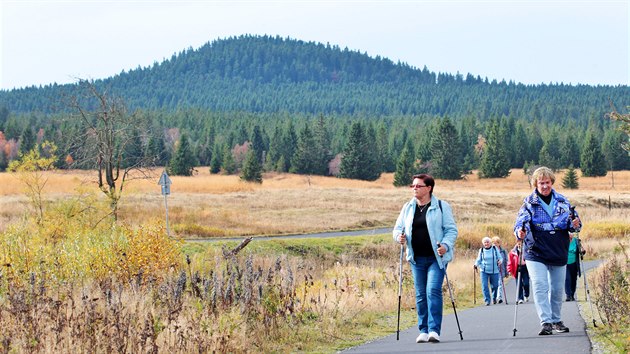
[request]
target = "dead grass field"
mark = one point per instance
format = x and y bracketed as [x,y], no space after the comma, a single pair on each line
[208,205]
[363,283]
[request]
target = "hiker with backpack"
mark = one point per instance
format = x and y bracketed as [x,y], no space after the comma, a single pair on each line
[544,222]
[427,227]
[488,262]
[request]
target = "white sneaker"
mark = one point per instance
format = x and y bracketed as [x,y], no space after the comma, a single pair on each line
[422,338]
[520,301]
[434,337]
[526,299]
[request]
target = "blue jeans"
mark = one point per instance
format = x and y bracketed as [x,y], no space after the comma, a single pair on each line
[548,287]
[428,279]
[494,282]
[500,288]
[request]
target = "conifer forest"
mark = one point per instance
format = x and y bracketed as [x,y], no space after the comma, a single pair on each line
[312,108]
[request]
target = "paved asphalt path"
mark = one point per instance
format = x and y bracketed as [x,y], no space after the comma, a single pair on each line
[489,329]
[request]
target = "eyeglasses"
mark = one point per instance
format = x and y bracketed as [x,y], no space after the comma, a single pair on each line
[417,186]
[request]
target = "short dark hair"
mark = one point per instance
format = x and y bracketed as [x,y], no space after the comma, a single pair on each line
[427,179]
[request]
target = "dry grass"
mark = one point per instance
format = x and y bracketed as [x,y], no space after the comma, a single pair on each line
[208,205]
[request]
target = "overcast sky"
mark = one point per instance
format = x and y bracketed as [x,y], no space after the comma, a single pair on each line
[532,42]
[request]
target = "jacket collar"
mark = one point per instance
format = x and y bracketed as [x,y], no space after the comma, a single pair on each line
[534,200]
[434,201]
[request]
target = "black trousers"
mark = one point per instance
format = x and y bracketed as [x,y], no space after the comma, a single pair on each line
[523,287]
[570,281]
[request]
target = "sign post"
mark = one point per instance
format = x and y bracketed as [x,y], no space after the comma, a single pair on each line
[165,182]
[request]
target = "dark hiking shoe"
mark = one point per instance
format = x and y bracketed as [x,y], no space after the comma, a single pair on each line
[560,327]
[546,329]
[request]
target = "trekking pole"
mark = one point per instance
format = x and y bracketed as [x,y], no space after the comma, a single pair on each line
[474,285]
[588,293]
[402,250]
[450,292]
[518,280]
[503,285]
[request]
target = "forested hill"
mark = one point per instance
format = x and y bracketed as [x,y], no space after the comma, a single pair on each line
[274,74]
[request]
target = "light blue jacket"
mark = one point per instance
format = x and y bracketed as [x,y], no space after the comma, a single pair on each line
[440,223]
[487,260]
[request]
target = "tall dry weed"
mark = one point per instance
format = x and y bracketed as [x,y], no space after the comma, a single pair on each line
[612,297]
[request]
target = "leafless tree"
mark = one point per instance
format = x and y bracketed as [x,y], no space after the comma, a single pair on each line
[105,128]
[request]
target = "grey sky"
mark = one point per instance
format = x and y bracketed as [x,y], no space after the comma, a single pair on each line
[532,42]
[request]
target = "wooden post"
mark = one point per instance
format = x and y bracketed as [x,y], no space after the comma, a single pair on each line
[238,248]
[609,203]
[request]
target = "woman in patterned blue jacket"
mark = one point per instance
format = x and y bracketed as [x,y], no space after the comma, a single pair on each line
[544,221]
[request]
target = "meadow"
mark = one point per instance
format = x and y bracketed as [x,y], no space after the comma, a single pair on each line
[75,281]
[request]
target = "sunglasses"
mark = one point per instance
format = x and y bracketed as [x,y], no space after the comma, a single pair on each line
[417,186]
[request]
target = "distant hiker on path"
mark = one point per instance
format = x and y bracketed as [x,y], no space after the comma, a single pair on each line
[514,268]
[544,222]
[573,267]
[427,227]
[488,262]
[496,242]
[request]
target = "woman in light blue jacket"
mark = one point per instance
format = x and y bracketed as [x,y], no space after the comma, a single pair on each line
[489,261]
[427,227]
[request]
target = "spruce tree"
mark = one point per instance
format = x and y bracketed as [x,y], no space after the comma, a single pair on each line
[535,142]
[446,157]
[217,159]
[205,150]
[520,146]
[495,162]
[252,169]
[360,154]
[133,153]
[274,154]
[351,163]
[156,150]
[371,165]
[289,144]
[570,179]
[258,144]
[183,161]
[593,162]
[548,155]
[423,143]
[306,158]
[27,141]
[468,138]
[404,168]
[569,151]
[382,145]
[323,141]
[228,165]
